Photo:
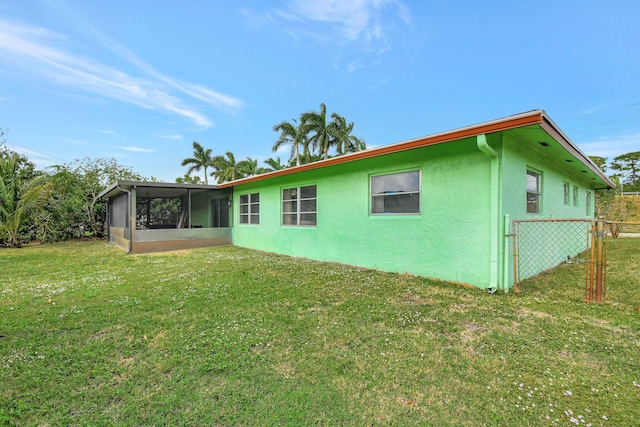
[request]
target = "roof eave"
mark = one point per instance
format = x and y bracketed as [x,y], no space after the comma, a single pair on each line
[556,133]
[510,122]
[123,186]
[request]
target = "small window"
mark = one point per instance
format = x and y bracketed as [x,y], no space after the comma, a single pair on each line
[299,206]
[533,192]
[250,208]
[575,195]
[566,193]
[396,194]
[588,203]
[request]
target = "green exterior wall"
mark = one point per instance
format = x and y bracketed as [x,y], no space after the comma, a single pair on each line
[449,240]
[542,245]
[518,156]
[470,194]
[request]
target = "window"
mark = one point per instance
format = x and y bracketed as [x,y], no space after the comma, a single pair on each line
[396,194]
[566,193]
[250,208]
[575,196]
[299,205]
[588,203]
[533,192]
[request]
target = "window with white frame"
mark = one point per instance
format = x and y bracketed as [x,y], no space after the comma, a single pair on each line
[533,192]
[299,206]
[566,193]
[575,195]
[396,194]
[250,208]
[588,203]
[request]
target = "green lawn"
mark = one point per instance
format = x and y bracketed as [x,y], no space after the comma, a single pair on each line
[228,336]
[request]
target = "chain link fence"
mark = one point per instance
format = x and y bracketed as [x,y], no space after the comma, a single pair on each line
[539,245]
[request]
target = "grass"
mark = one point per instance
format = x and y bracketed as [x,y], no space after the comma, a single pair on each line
[229,336]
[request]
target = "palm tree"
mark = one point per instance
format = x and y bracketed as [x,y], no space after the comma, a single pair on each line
[355,144]
[340,131]
[248,167]
[16,197]
[323,134]
[202,159]
[293,134]
[226,168]
[273,164]
[343,140]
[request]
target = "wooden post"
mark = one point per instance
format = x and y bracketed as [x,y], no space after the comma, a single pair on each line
[600,258]
[590,265]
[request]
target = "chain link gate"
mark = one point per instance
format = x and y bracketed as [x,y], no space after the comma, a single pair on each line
[541,244]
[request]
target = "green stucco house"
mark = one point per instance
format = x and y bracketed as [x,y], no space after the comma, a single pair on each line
[440,206]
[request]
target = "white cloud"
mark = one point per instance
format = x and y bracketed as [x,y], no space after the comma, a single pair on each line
[39,52]
[612,146]
[352,18]
[138,149]
[363,20]
[218,100]
[367,25]
[171,136]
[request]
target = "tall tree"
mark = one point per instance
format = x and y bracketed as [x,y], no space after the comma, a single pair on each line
[248,167]
[63,215]
[226,168]
[339,131]
[202,159]
[323,135]
[294,134]
[629,166]
[601,162]
[17,195]
[274,164]
[94,175]
[188,179]
[356,144]
[315,136]
[343,140]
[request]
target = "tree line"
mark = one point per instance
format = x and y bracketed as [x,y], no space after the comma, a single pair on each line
[624,170]
[55,204]
[313,136]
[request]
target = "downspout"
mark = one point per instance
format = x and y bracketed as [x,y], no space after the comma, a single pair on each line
[505,253]
[128,218]
[494,210]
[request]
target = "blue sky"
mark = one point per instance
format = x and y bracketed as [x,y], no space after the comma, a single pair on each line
[139,81]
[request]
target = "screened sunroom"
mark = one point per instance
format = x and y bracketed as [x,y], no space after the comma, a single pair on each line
[153,216]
